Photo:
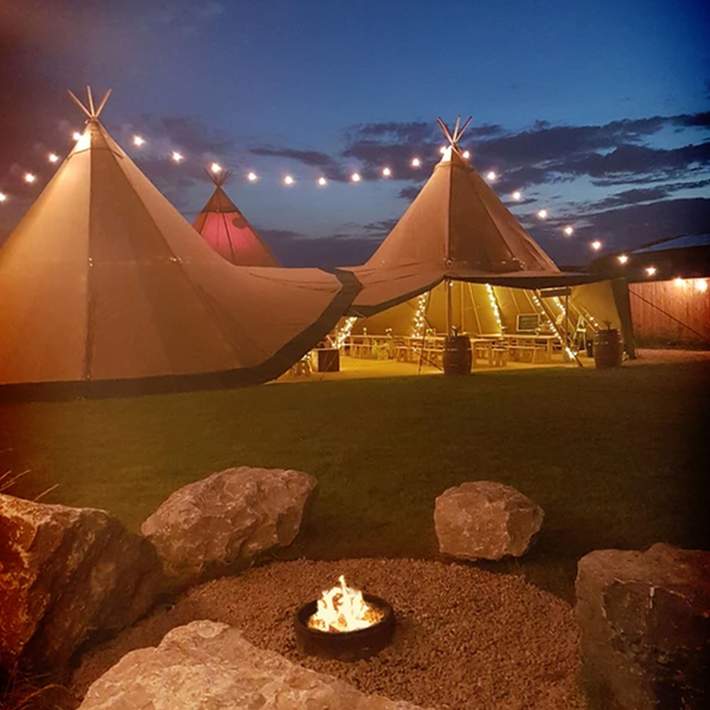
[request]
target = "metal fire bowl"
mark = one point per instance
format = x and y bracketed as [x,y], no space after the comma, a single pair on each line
[344,645]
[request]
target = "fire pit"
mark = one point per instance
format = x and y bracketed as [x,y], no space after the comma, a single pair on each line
[344,624]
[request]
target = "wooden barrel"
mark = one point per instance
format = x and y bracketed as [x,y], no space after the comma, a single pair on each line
[457,355]
[327,359]
[607,348]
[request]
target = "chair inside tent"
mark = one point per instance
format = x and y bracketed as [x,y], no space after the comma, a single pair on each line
[459,263]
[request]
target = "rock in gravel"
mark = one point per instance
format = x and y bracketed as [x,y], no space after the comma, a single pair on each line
[645,622]
[209,527]
[484,520]
[64,574]
[206,664]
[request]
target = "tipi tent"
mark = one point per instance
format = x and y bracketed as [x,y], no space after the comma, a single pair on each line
[458,260]
[103,284]
[226,230]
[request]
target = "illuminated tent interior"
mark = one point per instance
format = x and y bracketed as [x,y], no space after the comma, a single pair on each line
[503,289]
[103,284]
[227,231]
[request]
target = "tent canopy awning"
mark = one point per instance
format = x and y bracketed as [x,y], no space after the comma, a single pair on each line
[384,288]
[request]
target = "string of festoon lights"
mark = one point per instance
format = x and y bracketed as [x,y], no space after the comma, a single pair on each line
[289,180]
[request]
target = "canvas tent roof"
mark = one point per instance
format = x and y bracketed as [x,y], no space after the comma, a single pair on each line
[227,231]
[103,281]
[456,228]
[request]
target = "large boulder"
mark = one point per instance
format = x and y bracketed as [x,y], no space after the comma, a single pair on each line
[210,665]
[484,520]
[645,623]
[66,573]
[212,526]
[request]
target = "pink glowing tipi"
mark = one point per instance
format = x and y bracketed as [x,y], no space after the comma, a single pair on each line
[226,230]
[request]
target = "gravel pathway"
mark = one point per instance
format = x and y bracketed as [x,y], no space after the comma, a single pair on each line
[466,638]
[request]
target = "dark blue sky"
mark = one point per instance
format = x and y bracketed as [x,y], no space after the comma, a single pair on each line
[598,113]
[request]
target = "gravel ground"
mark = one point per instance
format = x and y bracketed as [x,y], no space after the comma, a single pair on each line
[465,638]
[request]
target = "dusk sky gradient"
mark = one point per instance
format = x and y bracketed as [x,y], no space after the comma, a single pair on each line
[599,112]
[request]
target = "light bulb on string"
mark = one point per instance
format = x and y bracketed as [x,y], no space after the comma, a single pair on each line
[138,141]
[542,214]
[29,178]
[622,258]
[700,285]
[517,196]
[288,180]
[252,176]
[177,157]
[416,162]
[467,154]
[3,197]
[53,158]
[322,182]
[568,230]
[491,176]
[355,177]
[76,135]
[386,172]
[651,270]
[596,245]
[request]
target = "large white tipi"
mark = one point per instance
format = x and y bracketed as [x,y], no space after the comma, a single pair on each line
[458,261]
[104,283]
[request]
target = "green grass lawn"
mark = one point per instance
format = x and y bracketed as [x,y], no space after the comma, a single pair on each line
[615,458]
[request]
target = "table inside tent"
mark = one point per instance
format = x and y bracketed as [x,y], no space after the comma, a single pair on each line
[486,347]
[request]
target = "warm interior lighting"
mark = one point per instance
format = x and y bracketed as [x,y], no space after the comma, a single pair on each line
[29,178]
[568,230]
[322,181]
[596,245]
[622,258]
[288,180]
[355,177]
[53,158]
[252,176]
[651,270]
[138,141]
[216,168]
[177,157]
[386,172]
[342,609]
[678,281]
[542,214]
[701,285]
[517,196]
[416,162]
[491,176]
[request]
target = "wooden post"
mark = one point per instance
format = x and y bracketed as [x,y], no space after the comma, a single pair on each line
[447,283]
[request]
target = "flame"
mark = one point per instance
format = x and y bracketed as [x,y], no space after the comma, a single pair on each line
[343,608]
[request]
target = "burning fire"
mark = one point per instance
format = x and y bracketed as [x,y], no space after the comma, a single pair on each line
[343,608]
